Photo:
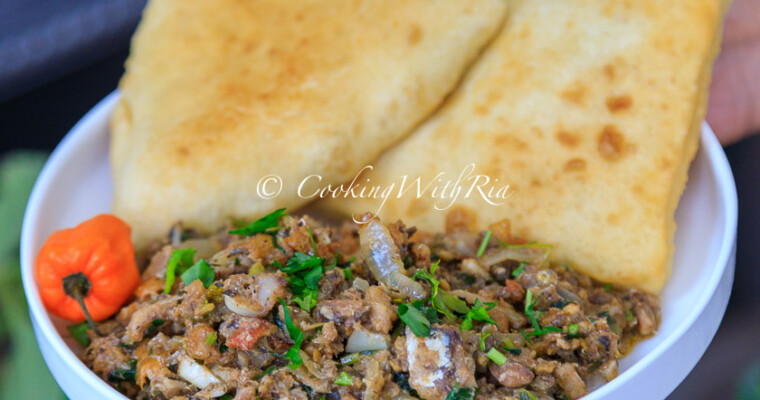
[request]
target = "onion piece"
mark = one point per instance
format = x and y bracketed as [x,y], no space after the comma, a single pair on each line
[238,307]
[536,254]
[366,341]
[195,373]
[384,261]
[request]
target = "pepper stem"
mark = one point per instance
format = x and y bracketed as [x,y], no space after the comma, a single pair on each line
[77,286]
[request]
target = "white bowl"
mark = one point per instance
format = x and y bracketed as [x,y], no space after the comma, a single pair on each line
[76,184]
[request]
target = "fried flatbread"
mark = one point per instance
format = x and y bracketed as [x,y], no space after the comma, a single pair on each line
[218,94]
[590,110]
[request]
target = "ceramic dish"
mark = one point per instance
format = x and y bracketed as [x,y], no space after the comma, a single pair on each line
[76,184]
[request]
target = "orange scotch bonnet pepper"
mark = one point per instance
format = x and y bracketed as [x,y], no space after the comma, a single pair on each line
[89,271]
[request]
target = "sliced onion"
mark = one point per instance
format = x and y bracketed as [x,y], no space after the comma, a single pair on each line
[360,284]
[384,260]
[366,341]
[195,373]
[238,307]
[530,253]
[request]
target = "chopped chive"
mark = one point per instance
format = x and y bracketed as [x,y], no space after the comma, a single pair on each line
[211,338]
[349,359]
[484,244]
[607,287]
[344,379]
[572,330]
[496,356]
[629,315]
[348,274]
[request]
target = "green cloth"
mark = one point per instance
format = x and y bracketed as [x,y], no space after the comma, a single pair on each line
[23,373]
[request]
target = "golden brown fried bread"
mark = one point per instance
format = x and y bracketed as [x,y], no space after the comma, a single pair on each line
[591,111]
[218,94]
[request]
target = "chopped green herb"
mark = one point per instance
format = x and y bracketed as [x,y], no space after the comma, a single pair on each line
[607,287]
[537,330]
[344,379]
[267,223]
[572,331]
[484,244]
[525,336]
[349,359]
[153,326]
[458,393]
[479,312]
[211,338]
[200,271]
[296,335]
[313,242]
[124,374]
[79,333]
[496,356]
[226,397]
[519,270]
[265,372]
[526,395]
[483,338]
[305,272]
[441,300]
[415,320]
[347,273]
[629,315]
[180,260]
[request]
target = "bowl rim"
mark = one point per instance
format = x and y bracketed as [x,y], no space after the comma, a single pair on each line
[83,131]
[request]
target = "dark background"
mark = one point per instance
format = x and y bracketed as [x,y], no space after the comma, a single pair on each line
[58,58]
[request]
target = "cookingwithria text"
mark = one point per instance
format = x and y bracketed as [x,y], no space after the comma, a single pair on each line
[445,189]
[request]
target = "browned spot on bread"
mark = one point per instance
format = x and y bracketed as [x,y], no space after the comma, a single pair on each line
[609,72]
[567,139]
[619,103]
[575,165]
[415,35]
[535,182]
[574,94]
[480,109]
[613,219]
[183,151]
[611,143]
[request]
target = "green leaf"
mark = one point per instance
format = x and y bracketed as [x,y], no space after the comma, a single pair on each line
[344,379]
[305,272]
[264,224]
[153,326]
[180,260]
[479,312]
[458,393]
[265,372]
[296,335]
[519,270]
[79,333]
[124,374]
[23,373]
[201,271]
[414,319]
[18,171]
